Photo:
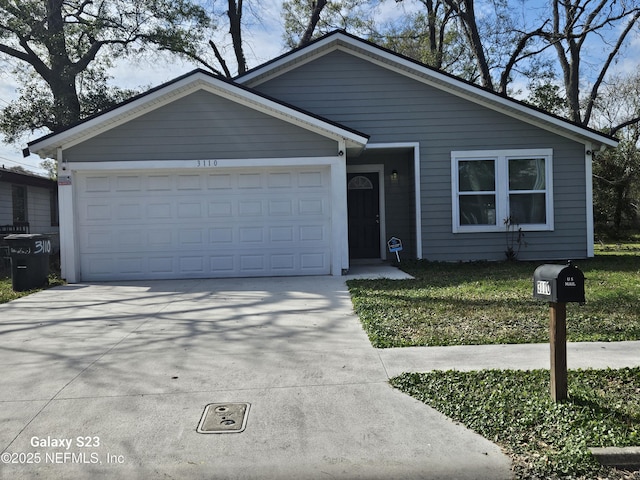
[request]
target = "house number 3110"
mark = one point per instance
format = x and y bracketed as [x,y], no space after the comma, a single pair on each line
[207,163]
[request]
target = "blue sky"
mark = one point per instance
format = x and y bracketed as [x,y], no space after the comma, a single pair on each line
[263,36]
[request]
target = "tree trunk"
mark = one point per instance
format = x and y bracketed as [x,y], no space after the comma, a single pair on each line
[66,108]
[572,67]
[436,53]
[620,202]
[466,13]
[235,29]
[316,10]
[61,77]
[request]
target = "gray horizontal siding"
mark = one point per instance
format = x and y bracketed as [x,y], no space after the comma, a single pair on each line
[394,108]
[202,126]
[39,208]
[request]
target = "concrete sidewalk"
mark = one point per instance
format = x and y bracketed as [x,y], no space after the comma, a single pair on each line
[513,357]
[111,380]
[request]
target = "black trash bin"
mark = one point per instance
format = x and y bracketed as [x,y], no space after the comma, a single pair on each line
[29,260]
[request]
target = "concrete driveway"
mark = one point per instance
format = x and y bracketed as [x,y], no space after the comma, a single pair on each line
[111,380]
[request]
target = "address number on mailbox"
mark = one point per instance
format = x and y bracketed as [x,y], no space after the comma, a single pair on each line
[543,287]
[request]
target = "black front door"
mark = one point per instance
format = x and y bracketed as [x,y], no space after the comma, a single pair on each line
[363,199]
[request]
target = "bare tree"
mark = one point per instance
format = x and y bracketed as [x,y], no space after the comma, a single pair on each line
[428,36]
[504,47]
[573,23]
[485,51]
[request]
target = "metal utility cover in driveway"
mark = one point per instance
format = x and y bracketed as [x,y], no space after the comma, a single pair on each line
[224,418]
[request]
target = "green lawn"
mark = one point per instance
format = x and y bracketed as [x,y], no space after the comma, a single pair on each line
[545,440]
[483,303]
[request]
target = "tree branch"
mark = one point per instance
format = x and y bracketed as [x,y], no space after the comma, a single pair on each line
[220,58]
[12,52]
[628,123]
[514,58]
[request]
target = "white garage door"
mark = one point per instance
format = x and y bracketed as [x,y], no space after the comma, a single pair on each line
[219,223]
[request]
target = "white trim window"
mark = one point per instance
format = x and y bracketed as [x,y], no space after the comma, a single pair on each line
[492,187]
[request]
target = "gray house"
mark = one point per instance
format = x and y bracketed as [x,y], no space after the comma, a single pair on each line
[311,161]
[28,203]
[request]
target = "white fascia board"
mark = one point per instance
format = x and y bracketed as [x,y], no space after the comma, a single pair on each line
[428,76]
[147,103]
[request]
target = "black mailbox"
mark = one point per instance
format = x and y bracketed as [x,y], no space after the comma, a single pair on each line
[558,283]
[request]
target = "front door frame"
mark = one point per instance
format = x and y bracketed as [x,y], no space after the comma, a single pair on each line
[379,169]
[417,176]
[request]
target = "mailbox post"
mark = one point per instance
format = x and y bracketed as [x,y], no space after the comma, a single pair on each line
[558,344]
[558,284]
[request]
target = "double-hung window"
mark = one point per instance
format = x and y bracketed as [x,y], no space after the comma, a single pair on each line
[19,201]
[490,188]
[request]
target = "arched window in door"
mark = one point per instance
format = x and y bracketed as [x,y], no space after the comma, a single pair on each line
[360,182]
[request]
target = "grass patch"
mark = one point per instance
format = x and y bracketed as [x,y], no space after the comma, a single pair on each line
[621,248]
[544,439]
[488,303]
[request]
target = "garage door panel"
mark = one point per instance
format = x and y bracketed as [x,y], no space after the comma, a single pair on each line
[110,267]
[284,233]
[221,237]
[280,180]
[221,224]
[311,262]
[161,265]
[128,183]
[290,237]
[189,182]
[95,183]
[190,210]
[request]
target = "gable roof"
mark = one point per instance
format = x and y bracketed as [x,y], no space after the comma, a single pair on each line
[25,178]
[339,40]
[180,87]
